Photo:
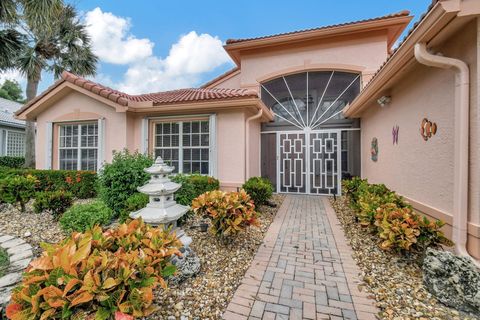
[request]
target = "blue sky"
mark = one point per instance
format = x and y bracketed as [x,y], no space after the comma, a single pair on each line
[145,31]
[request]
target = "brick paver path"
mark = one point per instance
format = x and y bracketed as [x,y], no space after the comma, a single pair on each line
[303,270]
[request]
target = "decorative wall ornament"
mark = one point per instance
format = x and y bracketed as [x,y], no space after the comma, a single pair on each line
[374,149]
[395,130]
[428,129]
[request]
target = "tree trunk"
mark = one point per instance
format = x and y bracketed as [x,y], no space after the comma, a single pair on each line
[32,87]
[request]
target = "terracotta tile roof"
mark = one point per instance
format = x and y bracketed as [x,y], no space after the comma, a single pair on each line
[402,13]
[220,77]
[158,98]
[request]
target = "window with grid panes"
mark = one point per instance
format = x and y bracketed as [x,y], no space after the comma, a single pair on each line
[15,144]
[184,145]
[78,146]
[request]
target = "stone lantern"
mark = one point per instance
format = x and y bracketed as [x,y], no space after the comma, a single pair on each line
[162,209]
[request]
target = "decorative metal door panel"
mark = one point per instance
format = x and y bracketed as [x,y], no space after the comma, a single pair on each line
[324,162]
[292,174]
[309,162]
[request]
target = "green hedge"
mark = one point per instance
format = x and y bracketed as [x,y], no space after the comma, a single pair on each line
[12,162]
[193,185]
[82,184]
[81,217]
[259,189]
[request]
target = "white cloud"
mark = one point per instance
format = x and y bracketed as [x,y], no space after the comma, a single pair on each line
[188,58]
[192,55]
[111,39]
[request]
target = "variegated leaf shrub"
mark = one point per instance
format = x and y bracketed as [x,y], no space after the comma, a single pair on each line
[230,212]
[392,218]
[97,275]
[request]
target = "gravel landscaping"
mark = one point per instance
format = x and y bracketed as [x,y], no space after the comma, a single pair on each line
[207,295]
[204,296]
[395,282]
[32,227]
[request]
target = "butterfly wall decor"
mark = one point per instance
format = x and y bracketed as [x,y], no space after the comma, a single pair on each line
[395,130]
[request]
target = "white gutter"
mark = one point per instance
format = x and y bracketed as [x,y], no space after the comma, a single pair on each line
[462,108]
[247,140]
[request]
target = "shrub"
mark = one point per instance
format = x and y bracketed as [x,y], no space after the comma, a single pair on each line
[120,179]
[392,219]
[57,202]
[81,217]
[17,190]
[193,185]
[97,275]
[82,184]
[230,212]
[135,202]
[259,189]
[12,162]
[401,229]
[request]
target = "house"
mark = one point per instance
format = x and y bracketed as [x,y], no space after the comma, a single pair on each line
[285,87]
[302,109]
[12,131]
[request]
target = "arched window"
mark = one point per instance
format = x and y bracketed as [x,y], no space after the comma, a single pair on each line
[310,99]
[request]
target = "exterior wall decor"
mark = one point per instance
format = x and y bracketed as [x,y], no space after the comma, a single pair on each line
[427,129]
[374,149]
[395,131]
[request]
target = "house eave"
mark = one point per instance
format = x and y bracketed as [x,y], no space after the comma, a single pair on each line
[437,21]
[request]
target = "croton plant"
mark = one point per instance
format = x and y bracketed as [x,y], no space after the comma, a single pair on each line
[97,275]
[230,212]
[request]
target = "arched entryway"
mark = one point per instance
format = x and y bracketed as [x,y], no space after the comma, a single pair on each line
[310,145]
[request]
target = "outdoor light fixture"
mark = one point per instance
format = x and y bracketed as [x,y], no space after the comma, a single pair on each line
[384,100]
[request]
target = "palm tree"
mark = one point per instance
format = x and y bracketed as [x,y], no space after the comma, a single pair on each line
[52,39]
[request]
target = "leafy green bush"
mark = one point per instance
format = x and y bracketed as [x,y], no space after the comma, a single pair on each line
[82,184]
[259,189]
[57,202]
[12,162]
[392,219]
[135,202]
[230,212]
[98,275]
[17,190]
[193,185]
[120,179]
[81,217]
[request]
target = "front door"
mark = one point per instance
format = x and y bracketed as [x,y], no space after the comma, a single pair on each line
[308,162]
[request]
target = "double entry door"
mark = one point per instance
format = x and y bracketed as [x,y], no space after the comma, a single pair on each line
[309,162]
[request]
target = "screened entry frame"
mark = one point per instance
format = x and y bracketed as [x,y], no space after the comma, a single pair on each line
[307,156]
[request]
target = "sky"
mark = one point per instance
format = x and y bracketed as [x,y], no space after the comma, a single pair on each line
[157,45]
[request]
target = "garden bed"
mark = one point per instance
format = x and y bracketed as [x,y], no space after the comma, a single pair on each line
[30,226]
[223,266]
[394,281]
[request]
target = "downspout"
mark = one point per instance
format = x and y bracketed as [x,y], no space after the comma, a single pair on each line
[462,108]
[247,140]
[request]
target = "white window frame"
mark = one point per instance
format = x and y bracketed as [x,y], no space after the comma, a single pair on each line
[8,147]
[212,140]
[79,147]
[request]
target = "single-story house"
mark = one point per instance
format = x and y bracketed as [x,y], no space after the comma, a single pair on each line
[12,131]
[303,109]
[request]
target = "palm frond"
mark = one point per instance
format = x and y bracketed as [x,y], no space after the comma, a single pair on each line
[11,43]
[8,11]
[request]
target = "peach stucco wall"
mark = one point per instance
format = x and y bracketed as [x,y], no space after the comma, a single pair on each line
[423,171]
[75,106]
[359,53]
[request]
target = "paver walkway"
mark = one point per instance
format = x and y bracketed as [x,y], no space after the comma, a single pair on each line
[303,270]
